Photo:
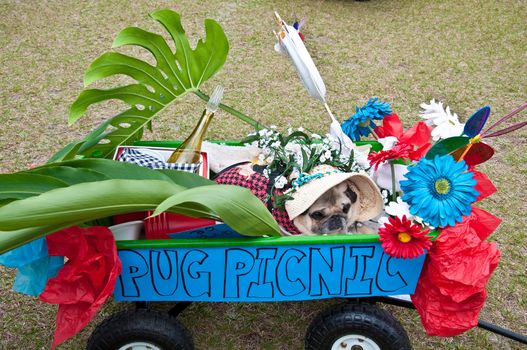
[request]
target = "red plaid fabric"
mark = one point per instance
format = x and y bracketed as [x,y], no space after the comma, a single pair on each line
[258,184]
[281,217]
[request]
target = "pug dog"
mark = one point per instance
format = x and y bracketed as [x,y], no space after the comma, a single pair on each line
[336,211]
[332,204]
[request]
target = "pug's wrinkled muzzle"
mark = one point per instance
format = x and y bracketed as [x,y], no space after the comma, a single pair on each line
[336,222]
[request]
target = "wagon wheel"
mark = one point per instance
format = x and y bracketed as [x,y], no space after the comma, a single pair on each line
[356,327]
[140,330]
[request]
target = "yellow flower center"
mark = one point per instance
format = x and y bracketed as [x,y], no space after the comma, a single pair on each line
[404,237]
[475,139]
[442,186]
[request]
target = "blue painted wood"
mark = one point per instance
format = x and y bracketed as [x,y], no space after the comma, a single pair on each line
[271,273]
[213,231]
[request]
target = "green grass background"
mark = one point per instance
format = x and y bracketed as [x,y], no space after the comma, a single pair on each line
[465,53]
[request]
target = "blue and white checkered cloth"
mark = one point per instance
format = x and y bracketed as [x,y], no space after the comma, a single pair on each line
[137,157]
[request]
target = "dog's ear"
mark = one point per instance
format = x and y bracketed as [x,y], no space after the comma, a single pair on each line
[351,194]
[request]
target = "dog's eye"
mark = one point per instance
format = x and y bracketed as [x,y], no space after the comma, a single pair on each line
[317,215]
[346,208]
[351,195]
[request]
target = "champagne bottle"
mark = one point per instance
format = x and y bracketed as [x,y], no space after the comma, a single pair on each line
[189,151]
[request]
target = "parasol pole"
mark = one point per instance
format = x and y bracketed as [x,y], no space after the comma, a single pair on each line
[329,112]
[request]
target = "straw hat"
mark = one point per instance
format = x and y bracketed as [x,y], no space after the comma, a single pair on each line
[324,177]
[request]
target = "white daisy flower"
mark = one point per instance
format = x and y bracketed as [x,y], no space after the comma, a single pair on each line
[447,129]
[447,123]
[280,182]
[400,209]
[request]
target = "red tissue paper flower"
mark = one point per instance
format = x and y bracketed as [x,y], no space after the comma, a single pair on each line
[404,239]
[85,282]
[412,144]
[451,289]
[418,135]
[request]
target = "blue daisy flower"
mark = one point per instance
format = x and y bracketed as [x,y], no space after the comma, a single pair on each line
[361,123]
[440,191]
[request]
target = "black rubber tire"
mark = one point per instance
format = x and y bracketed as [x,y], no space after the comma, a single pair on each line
[126,327]
[362,319]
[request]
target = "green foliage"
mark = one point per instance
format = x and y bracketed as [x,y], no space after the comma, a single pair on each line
[19,186]
[70,175]
[12,239]
[84,202]
[107,168]
[295,153]
[67,152]
[175,74]
[242,212]
[55,196]
[185,179]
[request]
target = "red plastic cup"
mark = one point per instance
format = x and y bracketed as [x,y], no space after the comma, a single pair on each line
[160,226]
[122,218]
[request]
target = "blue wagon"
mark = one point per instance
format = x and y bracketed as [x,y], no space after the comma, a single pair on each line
[260,270]
[199,266]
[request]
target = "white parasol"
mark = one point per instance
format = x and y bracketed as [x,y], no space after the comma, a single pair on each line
[290,42]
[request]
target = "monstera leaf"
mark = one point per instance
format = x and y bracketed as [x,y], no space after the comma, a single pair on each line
[174,75]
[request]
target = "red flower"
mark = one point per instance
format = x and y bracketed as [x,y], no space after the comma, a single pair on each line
[402,239]
[401,150]
[412,144]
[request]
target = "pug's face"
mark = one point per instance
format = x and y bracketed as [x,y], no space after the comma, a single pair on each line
[334,212]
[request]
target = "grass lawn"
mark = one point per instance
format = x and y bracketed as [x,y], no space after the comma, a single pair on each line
[465,53]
